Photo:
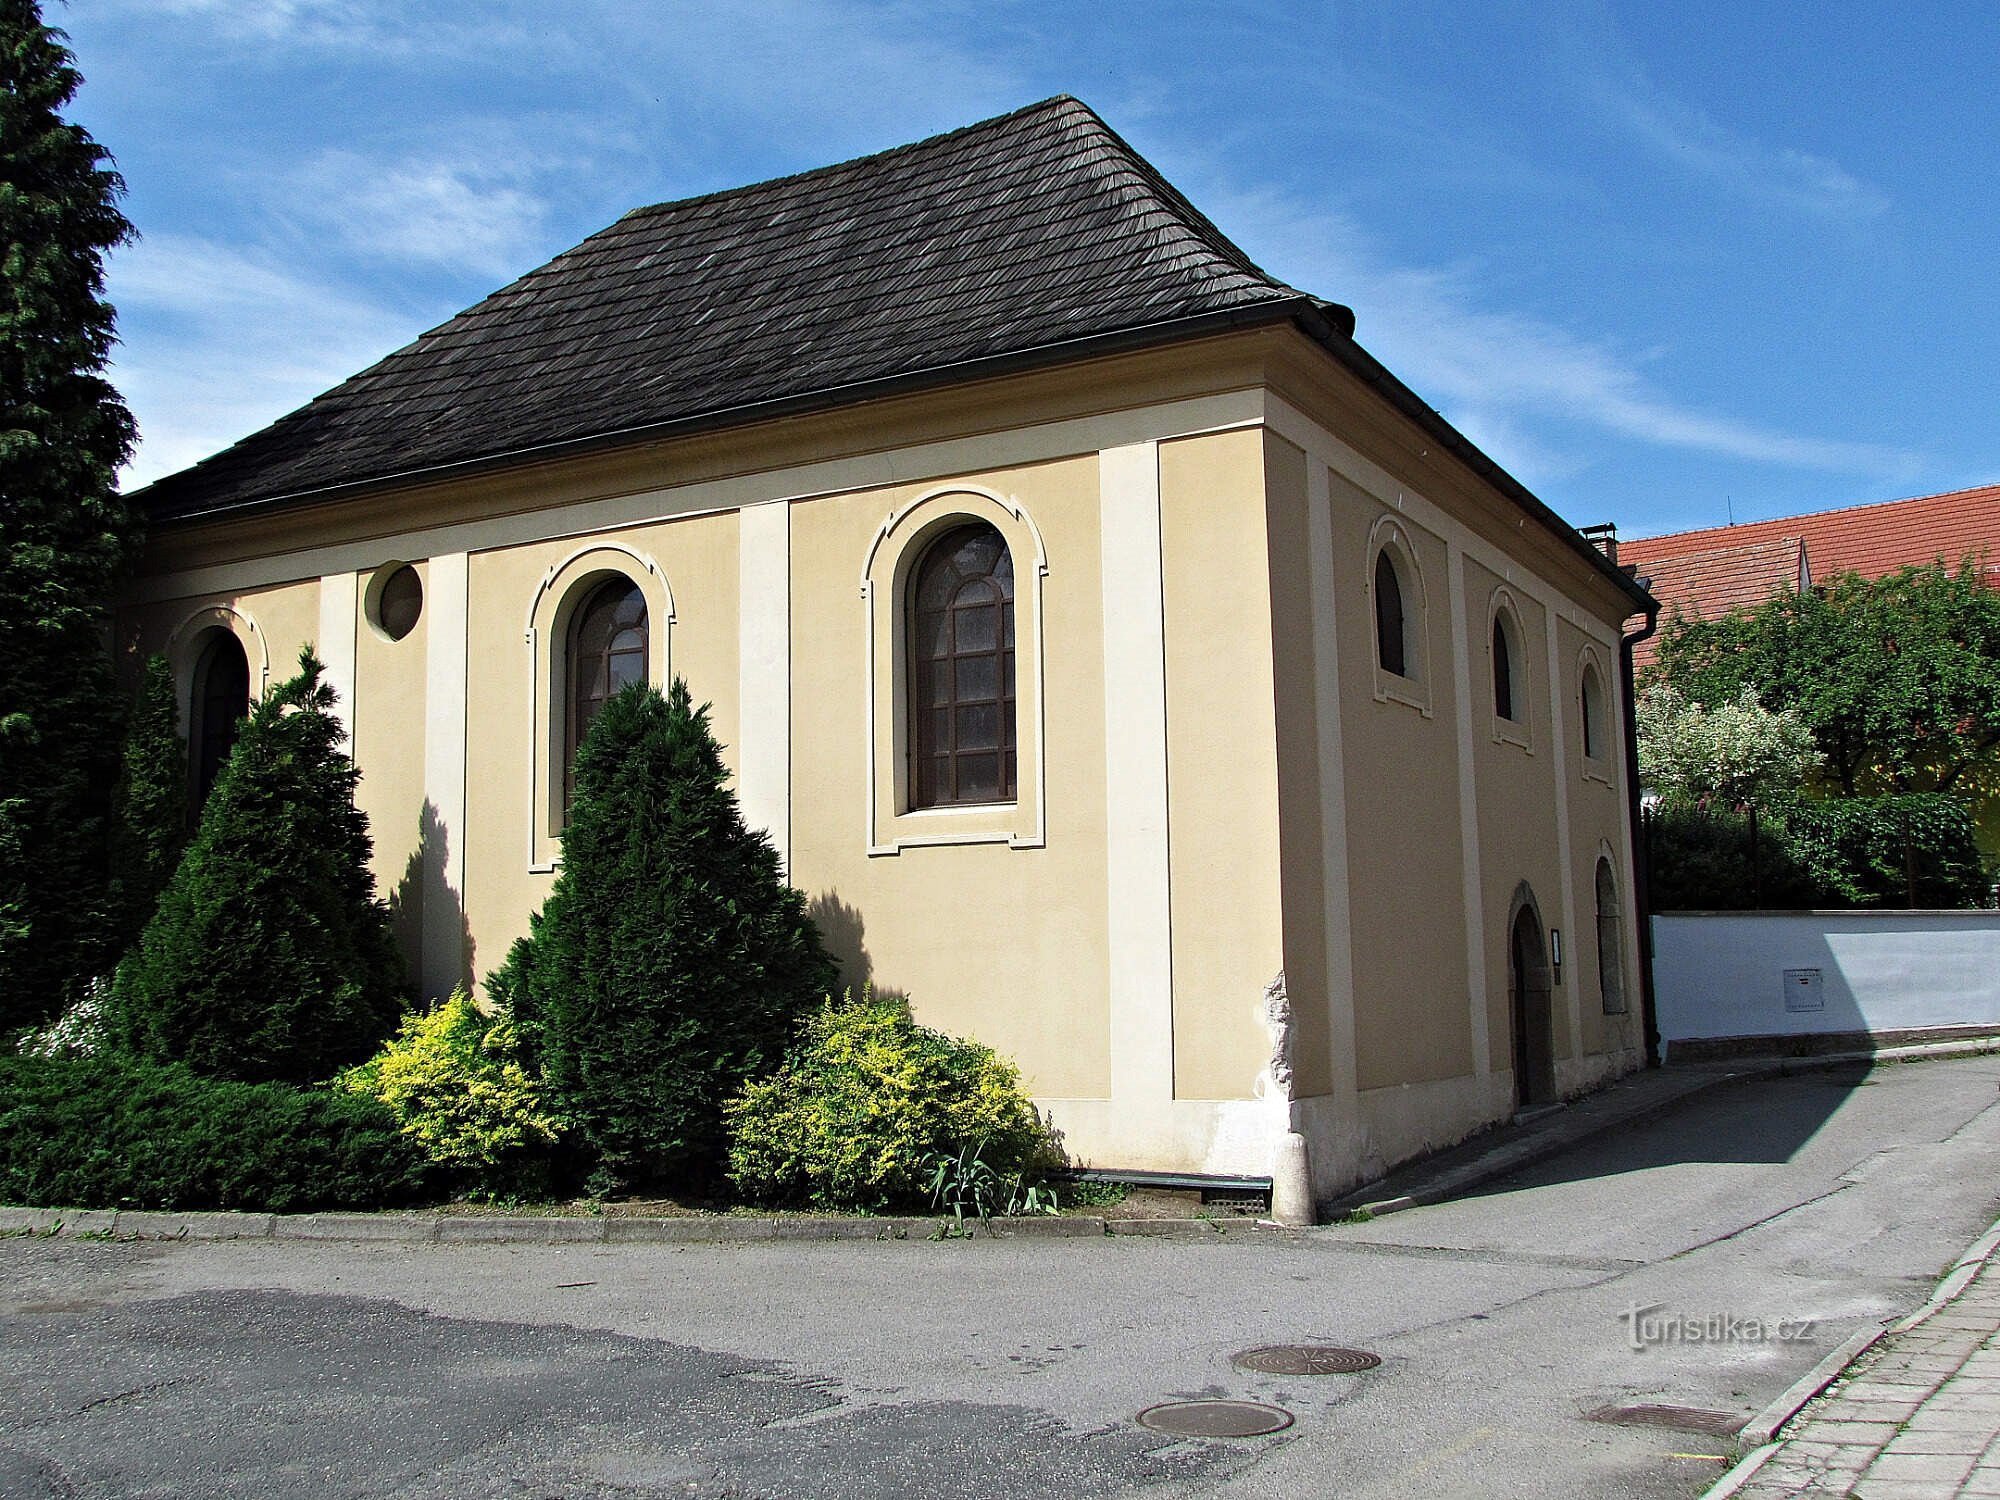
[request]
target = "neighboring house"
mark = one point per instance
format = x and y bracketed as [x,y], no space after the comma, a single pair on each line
[1128,666]
[1715,581]
[1708,573]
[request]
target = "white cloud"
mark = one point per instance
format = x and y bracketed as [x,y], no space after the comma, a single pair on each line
[475,218]
[226,342]
[1775,176]
[1505,377]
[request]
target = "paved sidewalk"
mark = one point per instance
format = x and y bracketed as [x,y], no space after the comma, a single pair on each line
[1918,1415]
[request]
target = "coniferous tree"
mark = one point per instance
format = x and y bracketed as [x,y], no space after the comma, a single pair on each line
[65,534]
[269,957]
[150,826]
[671,962]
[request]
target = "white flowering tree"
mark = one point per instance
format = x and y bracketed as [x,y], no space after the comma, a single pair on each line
[1738,755]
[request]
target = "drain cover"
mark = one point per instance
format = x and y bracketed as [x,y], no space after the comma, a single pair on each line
[1306,1359]
[1215,1419]
[1679,1418]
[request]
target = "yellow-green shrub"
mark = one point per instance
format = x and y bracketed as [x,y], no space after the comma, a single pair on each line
[860,1107]
[453,1081]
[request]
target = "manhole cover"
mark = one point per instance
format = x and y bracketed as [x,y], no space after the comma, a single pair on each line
[1306,1359]
[1679,1418]
[1215,1419]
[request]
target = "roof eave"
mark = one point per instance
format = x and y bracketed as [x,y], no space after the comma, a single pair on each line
[1093,346]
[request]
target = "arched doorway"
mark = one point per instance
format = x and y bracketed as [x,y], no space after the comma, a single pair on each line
[220,699]
[1533,1015]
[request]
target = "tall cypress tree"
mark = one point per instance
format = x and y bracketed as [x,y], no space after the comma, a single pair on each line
[269,957]
[65,534]
[671,961]
[150,825]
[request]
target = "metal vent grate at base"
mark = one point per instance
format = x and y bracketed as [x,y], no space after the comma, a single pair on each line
[1215,1419]
[1306,1359]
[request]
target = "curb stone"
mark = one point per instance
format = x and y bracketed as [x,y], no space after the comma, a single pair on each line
[1763,1428]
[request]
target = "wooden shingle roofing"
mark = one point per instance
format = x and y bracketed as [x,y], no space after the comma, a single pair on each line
[1040,232]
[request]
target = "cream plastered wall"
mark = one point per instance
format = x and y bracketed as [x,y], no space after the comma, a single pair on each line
[1309,774]
[988,939]
[388,711]
[1222,771]
[506,871]
[1515,793]
[1404,831]
[1599,827]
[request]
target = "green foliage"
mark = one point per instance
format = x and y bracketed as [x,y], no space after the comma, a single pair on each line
[868,1102]
[1843,852]
[964,1180]
[119,1132]
[1898,678]
[269,957]
[1706,859]
[65,534]
[671,962]
[1737,754]
[1911,851]
[150,825]
[453,1080]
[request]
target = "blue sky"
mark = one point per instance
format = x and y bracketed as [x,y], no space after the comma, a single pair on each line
[1665,263]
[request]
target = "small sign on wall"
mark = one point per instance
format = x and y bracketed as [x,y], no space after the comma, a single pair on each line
[1802,990]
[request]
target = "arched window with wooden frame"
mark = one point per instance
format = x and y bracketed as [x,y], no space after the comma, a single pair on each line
[1511,667]
[1590,695]
[1610,941]
[1399,611]
[961,732]
[219,701]
[607,650]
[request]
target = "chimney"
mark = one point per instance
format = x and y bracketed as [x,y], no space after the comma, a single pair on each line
[1604,537]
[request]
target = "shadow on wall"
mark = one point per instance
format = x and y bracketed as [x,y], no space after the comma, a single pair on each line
[840,929]
[423,889]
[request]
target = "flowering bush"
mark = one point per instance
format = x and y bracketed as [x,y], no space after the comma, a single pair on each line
[863,1106]
[453,1082]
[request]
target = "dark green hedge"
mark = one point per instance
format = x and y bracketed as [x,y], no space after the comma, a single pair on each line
[1866,852]
[115,1132]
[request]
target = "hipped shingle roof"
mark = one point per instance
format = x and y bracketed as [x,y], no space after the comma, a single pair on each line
[1031,232]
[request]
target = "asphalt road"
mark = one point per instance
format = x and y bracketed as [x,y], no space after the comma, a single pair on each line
[1014,1368]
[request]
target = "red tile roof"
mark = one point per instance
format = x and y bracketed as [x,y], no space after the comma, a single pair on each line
[1711,583]
[1867,539]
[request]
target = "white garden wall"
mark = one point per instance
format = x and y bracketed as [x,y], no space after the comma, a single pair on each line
[1800,974]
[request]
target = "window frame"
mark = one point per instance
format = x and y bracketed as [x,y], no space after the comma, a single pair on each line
[1388,540]
[922,706]
[187,647]
[1504,629]
[1611,975]
[564,588]
[1597,767]
[893,823]
[574,729]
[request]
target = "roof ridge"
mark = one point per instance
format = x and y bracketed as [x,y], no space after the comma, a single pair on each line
[1814,515]
[1054,103]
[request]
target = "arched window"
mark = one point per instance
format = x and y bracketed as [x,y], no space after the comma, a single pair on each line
[220,699]
[1610,958]
[607,651]
[1503,669]
[1391,623]
[1593,713]
[961,654]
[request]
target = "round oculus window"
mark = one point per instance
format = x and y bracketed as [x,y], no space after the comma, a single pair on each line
[399,602]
